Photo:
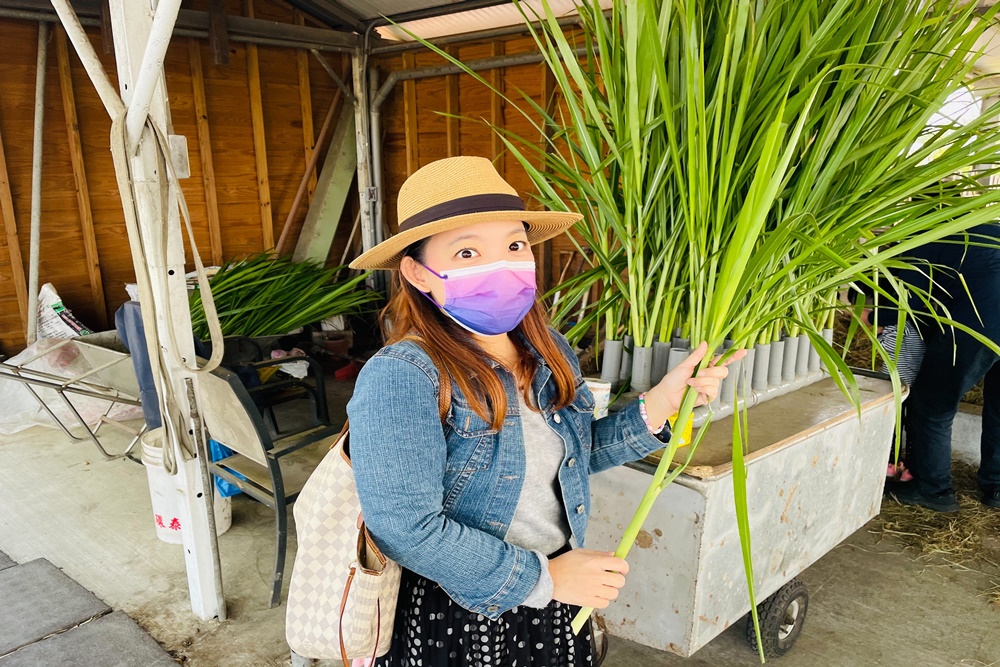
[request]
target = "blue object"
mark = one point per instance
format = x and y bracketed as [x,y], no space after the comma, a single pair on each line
[128,322]
[217,451]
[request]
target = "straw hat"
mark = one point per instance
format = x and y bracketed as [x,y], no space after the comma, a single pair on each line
[452,193]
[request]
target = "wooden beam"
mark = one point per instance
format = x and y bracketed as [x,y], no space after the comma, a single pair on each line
[305,104]
[259,145]
[205,151]
[13,245]
[452,109]
[335,180]
[107,38]
[80,179]
[496,109]
[410,118]
[218,33]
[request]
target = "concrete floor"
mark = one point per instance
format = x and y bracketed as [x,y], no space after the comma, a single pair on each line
[870,604]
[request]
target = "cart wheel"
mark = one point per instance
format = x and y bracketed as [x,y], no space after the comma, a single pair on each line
[781,619]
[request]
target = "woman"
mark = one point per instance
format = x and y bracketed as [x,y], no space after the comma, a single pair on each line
[480,505]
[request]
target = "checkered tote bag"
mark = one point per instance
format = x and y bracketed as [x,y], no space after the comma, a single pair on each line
[343,590]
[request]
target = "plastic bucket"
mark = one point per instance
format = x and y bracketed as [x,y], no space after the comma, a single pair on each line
[165,498]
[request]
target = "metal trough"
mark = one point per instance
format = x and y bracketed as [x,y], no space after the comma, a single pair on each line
[815,475]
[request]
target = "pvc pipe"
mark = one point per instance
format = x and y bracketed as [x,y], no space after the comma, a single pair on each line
[88,56]
[36,183]
[760,366]
[791,357]
[375,127]
[661,359]
[744,382]
[681,343]
[626,367]
[612,362]
[642,368]
[442,70]
[675,356]
[151,68]
[814,360]
[701,413]
[774,366]
[727,392]
[802,361]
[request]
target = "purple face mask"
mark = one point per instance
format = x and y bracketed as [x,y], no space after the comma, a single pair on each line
[490,299]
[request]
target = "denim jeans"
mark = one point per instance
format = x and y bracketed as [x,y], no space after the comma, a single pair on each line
[951,367]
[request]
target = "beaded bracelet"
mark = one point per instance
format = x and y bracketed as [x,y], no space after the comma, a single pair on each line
[645,417]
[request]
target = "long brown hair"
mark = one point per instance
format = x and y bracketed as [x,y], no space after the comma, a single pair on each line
[458,357]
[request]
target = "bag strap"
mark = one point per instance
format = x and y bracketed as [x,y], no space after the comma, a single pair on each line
[340,623]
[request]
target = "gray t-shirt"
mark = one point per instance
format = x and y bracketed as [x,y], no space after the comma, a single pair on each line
[539,521]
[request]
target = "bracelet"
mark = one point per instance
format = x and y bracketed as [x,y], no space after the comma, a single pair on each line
[645,417]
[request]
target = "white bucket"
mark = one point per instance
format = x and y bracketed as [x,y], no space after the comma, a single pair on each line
[164,495]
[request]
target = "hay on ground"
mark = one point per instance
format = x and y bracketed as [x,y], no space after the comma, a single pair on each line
[967,540]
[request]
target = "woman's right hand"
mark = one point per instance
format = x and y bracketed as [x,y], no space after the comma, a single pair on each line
[587,578]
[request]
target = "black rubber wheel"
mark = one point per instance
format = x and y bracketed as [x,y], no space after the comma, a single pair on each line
[781,619]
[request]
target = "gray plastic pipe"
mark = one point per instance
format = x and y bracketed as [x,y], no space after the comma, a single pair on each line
[34,253]
[626,367]
[642,368]
[760,366]
[612,362]
[777,359]
[661,359]
[701,413]
[802,360]
[791,357]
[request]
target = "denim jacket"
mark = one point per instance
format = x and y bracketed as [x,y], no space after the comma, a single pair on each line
[438,498]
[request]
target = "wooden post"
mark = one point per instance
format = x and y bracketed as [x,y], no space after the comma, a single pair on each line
[205,151]
[107,39]
[13,245]
[451,106]
[305,103]
[496,110]
[80,179]
[259,144]
[218,33]
[410,117]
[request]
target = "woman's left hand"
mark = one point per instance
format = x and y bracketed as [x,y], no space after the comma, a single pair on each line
[664,399]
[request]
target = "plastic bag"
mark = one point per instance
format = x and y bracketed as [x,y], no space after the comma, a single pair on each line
[217,452]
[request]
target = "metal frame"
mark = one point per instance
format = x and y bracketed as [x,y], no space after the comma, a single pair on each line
[273,450]
[33,380]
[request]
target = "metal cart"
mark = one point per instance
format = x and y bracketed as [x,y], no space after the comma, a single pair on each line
[815,474]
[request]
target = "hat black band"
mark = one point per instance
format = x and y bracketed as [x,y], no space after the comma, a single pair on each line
[463,206]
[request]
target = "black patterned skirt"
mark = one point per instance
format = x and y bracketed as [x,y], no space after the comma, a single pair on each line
[432,630]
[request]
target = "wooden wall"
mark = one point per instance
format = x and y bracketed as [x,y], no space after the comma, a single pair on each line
[287,100]
[92,283]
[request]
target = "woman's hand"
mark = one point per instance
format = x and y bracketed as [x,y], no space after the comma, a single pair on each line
[587,578]
[664,399]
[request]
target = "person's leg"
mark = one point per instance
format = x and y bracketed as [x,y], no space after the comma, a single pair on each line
[948,373]
[989,468]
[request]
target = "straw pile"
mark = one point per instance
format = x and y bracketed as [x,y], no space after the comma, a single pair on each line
[969,540]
